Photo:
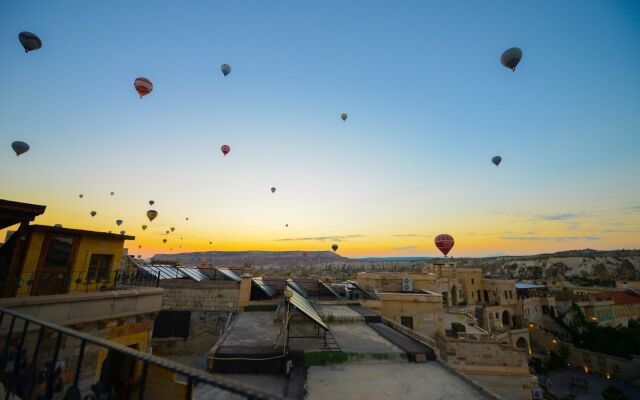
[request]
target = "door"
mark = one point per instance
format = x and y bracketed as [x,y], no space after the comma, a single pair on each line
[55,264]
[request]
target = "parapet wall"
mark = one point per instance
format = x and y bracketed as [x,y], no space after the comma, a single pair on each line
[200,296]
[483,357]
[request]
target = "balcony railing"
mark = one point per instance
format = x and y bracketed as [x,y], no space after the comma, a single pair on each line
[29,284]
[43,360]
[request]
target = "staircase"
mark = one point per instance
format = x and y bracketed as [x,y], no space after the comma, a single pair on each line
[479,314]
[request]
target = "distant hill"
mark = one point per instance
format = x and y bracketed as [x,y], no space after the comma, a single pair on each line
[254,258]
[393,258]
[587,263]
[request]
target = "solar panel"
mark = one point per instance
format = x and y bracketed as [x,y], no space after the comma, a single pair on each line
[268,290]
[164,271]
[297,288]
[194,273]
[303,305]
[333,292]
[229,274]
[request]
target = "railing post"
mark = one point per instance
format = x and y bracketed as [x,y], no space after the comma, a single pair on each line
[143,380]
[52,369]
[4,356]
[10,386]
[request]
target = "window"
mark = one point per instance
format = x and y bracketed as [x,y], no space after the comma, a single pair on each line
[472,281]
[99,267]
[59,252]
[407,322]
[506,296]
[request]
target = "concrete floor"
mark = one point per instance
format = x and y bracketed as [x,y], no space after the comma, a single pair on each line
[276,384]
[393,381]
[448,318]
[253,329]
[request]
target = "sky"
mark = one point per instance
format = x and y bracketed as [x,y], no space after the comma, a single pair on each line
[428,102]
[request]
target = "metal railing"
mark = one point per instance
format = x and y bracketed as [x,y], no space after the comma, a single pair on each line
[36,362]
[79,281]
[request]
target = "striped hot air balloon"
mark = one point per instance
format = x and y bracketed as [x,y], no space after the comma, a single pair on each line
[143,86]
[444,243]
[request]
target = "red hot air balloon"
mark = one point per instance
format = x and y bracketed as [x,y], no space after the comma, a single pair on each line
[225,149]
[143,86]
[444,243]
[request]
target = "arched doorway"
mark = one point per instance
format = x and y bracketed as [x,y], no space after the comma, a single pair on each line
[506,319]
[454,296]
[522,343]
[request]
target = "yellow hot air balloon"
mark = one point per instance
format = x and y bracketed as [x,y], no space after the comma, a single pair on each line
[152,214]
[144,227]
[173,229]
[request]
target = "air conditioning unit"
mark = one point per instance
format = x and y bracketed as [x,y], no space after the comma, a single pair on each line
[537,394]
[407,284]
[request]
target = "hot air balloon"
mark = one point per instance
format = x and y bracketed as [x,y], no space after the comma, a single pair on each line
[19,147]
[118,222]
[81,195]
[93,213]
[186,219]
[344,116]
[152,214]
[273,190]
[139,256]
[511,57]
[210,242]
[225,149]
[444,243]
[144,227]
[172,229]
[226,69]
[30,41]
[139,246]
[143,86]
[112,193]
[122,232]
[496,160]
[334,247]
[151,202]
[164,240]
[167,232]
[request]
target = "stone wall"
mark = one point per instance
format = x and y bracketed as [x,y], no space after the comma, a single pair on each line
[202,296]
[483,356]
[205,327]
[209,303]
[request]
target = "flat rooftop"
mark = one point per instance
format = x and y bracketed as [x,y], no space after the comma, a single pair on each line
[449,317]
[388,380]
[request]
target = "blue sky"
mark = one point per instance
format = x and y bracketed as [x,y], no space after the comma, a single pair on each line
[428,103]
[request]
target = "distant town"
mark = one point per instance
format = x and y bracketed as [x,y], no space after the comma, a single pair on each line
[285,324]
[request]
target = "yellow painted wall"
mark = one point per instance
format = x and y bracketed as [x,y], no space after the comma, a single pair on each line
[88,245]
[426,311]
[140,340]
